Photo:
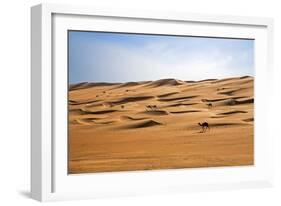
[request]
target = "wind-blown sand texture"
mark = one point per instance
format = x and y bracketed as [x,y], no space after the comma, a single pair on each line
[154,125]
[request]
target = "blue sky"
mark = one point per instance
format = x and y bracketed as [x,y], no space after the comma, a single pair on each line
[118,57]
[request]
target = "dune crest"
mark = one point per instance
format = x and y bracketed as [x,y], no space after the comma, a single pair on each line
[85,85]
[165,82]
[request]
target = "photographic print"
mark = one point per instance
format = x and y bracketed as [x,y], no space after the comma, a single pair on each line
[150,101]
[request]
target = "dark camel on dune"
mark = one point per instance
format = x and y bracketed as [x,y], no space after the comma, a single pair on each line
[151,107]
[204,126]
[209,104]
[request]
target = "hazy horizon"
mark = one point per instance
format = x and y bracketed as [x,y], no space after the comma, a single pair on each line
[186,80]
[119,57]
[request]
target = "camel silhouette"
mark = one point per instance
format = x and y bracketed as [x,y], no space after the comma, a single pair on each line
[209,104]
[151,107]
[204,126]
[148,107]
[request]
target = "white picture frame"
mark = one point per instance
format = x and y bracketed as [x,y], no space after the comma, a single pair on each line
[49,178]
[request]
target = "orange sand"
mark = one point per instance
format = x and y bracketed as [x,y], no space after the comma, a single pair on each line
[154,125]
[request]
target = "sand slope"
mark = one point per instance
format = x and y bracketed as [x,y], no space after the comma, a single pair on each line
[154,124]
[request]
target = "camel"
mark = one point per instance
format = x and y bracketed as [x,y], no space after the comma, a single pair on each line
[148,107]
[204,126]
[209,104]
[151,107]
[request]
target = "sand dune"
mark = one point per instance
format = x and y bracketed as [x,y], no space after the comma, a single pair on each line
[232,112]
[154,124]
[225,80]
[143,124]
[207,80]
[83,111]
[165,82]
[184,111]
[155,112]
[82,121]
[167,94]
[71,102]
[105,122]
[177,98]
[132,99]
[179,104]
[132,118]
[245,101]
[246,77]
[85,85]
[229,92]
[218,116]
[248,120]
[128,84]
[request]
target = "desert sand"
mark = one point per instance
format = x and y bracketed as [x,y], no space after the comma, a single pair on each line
[154,125]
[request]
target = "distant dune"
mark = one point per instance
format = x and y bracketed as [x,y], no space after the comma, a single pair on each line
[85,85]
[154,124]
[165,82]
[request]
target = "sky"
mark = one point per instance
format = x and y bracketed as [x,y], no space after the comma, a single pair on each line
[120,57]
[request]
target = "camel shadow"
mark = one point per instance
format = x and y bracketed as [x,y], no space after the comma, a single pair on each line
[200,132]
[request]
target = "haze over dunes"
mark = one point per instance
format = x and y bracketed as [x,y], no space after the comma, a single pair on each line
[154,124]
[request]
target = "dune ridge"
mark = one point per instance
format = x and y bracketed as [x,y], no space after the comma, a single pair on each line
[85,85]
[165,82]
